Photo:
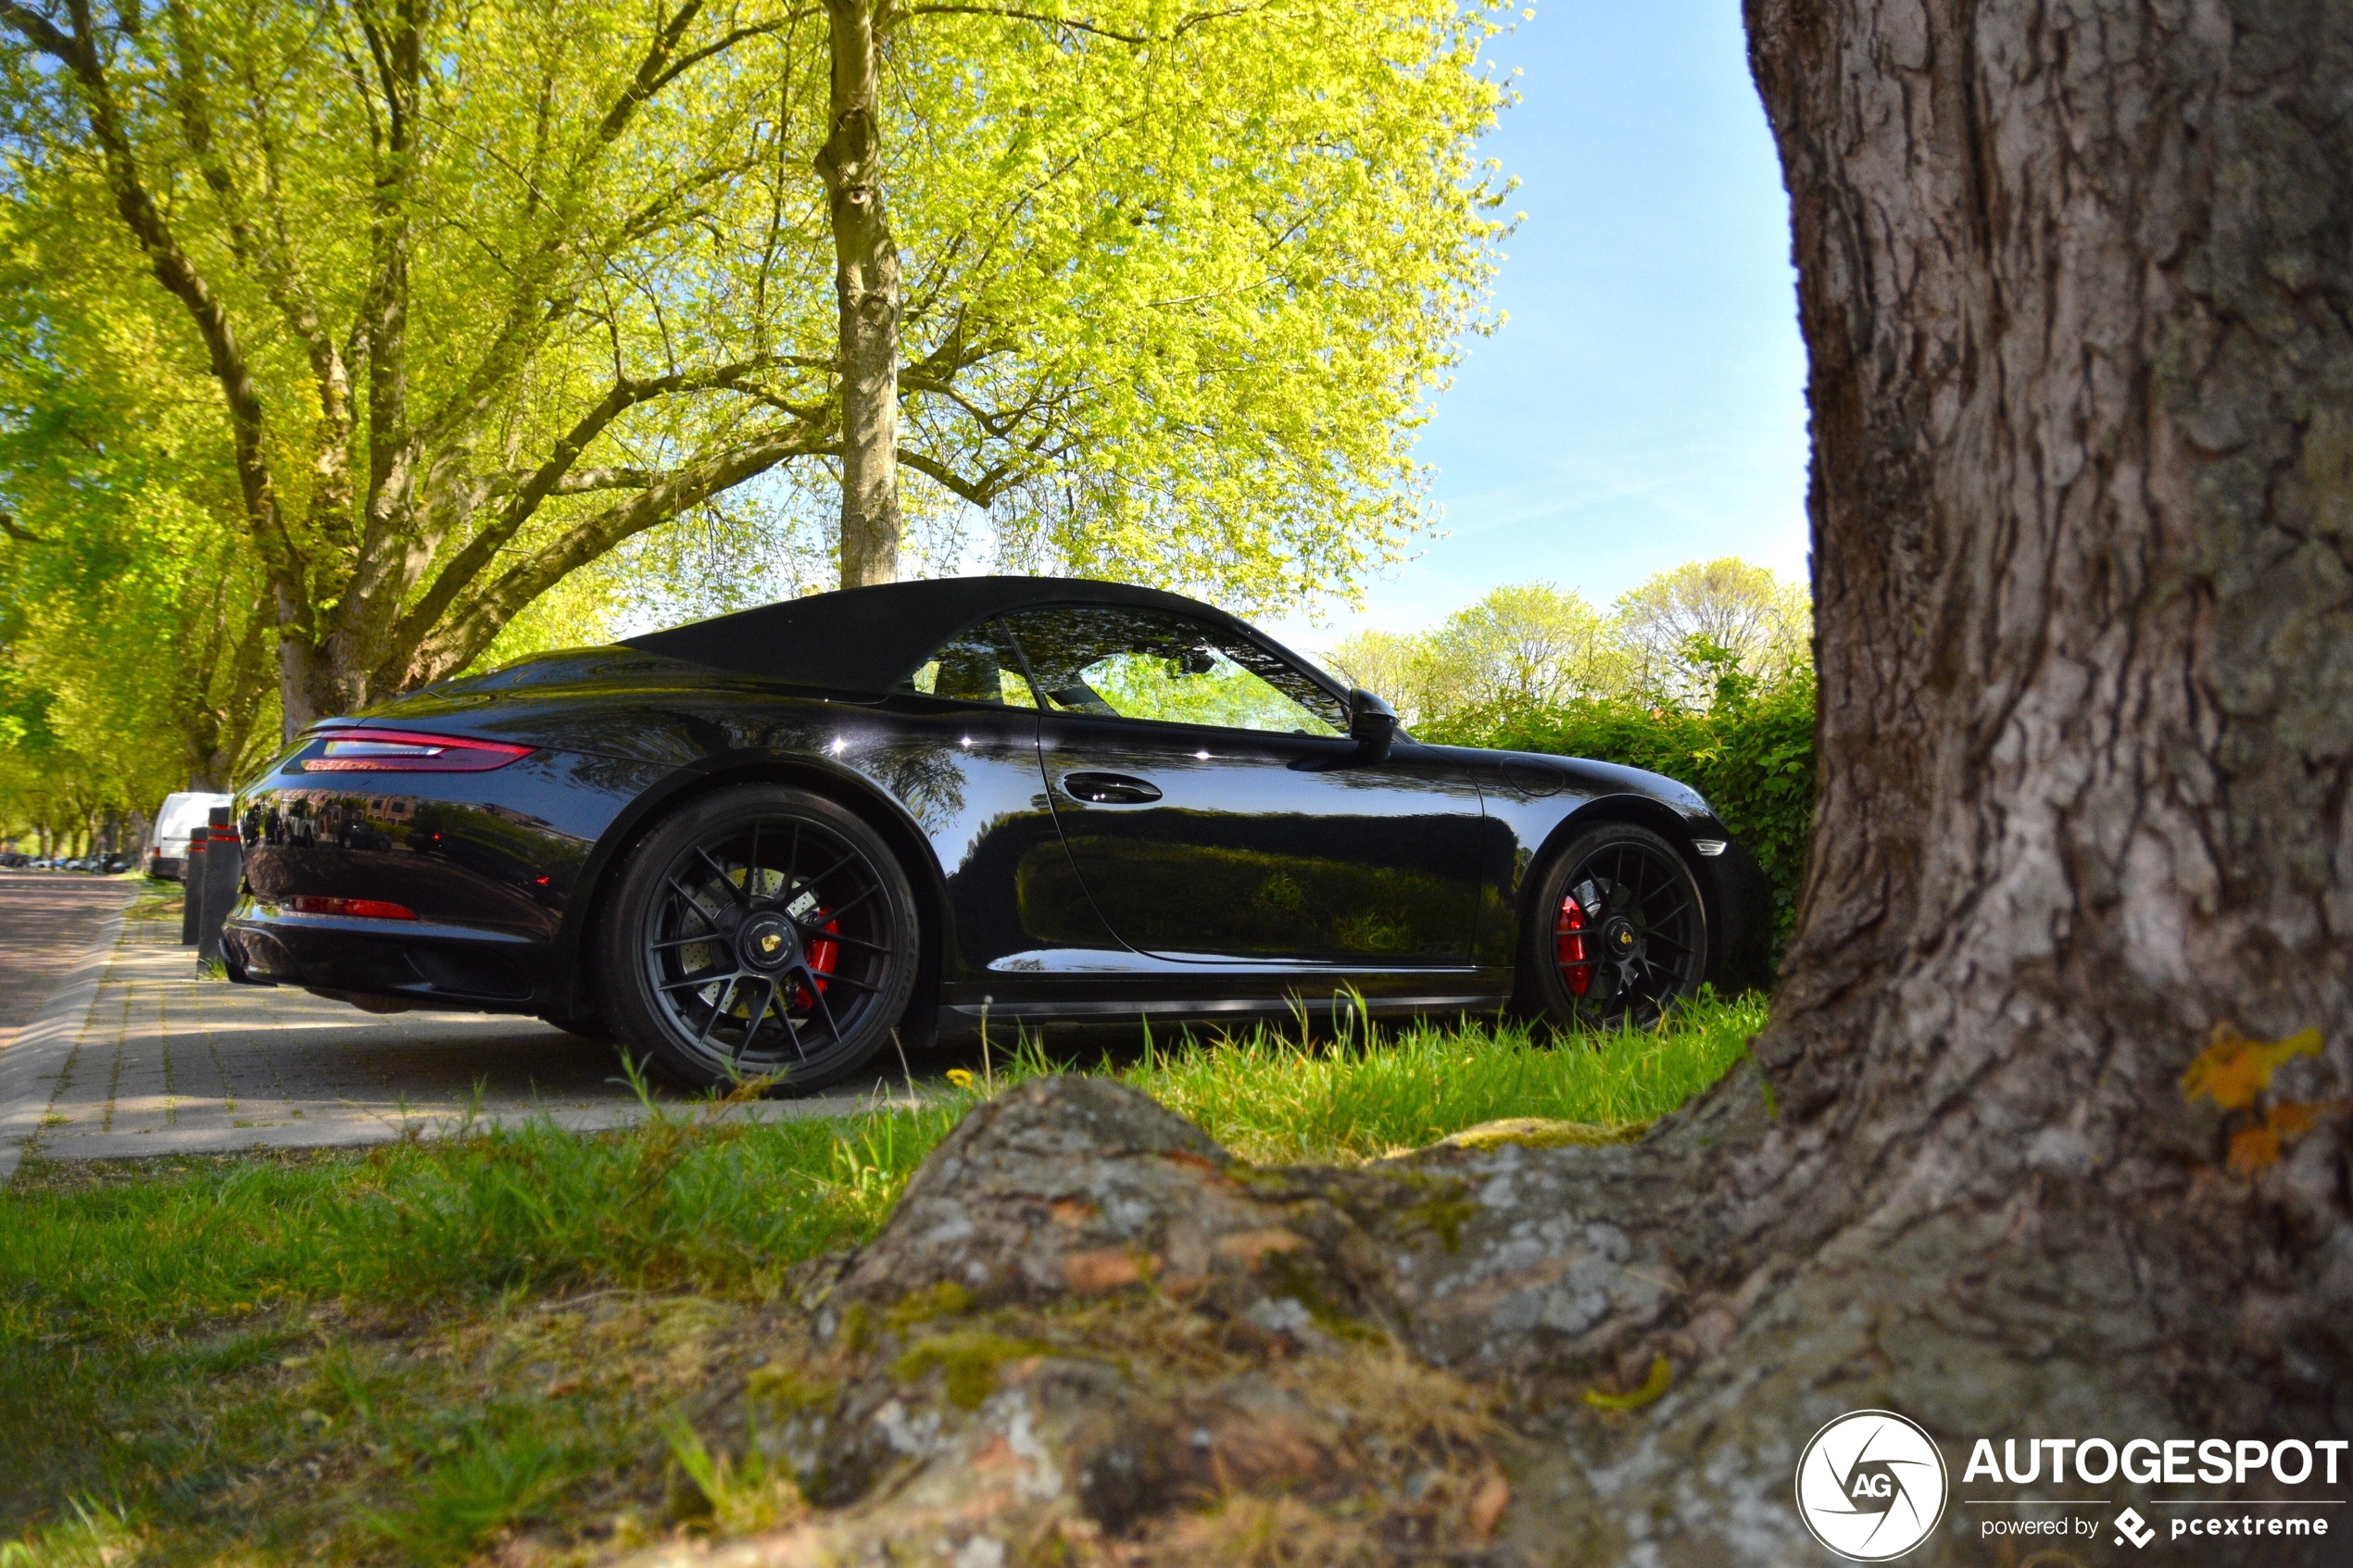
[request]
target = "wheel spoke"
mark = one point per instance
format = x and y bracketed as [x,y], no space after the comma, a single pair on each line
[849,941]
[707,977]
[742,898]
[694,903]
[835,976]
[817,996]
[1656,921]
[833,913]
[707,939]
[815,882]
[725,997]
[751,1025]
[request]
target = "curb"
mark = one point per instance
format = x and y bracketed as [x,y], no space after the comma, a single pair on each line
[33,1062]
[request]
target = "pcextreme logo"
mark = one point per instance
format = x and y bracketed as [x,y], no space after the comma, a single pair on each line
[1872,1486]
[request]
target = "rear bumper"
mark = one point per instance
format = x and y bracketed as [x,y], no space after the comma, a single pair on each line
[419,963]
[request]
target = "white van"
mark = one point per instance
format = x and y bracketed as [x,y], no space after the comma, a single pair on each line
[181,814]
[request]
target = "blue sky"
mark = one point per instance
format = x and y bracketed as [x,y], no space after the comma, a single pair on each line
[1643,405]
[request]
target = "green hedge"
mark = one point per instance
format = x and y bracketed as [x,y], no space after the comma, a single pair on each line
[1751,753]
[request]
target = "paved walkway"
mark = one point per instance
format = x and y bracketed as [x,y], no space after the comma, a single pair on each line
[47,919]
[162,1061]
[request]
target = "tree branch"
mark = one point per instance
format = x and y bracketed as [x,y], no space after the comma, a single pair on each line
[471,627]
[1011,13]
[524,498]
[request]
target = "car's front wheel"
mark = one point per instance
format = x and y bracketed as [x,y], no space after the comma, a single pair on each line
[1619,930]
[762,932]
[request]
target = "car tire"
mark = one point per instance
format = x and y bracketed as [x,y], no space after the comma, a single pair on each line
[760,933]
[1619,931]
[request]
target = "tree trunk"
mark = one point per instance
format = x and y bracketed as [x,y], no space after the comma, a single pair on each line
[2075,288]
[866,280]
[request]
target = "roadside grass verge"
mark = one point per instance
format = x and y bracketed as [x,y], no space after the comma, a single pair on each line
[396,1355]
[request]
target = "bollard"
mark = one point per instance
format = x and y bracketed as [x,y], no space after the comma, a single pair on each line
[192,886]
[223,878]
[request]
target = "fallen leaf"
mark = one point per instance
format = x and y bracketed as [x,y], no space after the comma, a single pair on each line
[2233,1069]
[1662,1377]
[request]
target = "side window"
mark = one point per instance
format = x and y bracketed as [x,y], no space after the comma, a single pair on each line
[976,666]
[1148,664]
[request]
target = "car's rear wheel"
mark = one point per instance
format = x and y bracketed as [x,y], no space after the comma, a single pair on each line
[762,932]
[1618,932]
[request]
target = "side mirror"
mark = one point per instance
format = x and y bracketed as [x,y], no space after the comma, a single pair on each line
[1372,724]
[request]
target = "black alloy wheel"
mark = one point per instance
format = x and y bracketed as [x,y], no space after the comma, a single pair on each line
[1618,932]
[763,932]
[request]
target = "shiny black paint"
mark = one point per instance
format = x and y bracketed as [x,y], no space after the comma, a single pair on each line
[1260,848]
[1274,869]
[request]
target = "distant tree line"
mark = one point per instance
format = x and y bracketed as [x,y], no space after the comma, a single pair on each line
[1704,672]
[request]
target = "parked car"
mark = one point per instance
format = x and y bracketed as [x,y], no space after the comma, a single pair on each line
[181,814]
[759,844]
[14,861]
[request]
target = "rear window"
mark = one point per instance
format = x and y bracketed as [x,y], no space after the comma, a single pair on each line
[976,666]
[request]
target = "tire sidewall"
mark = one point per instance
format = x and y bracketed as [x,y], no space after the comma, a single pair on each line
[1546,990]
[624,991]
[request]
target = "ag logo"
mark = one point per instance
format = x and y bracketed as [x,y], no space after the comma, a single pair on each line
[1870,1486]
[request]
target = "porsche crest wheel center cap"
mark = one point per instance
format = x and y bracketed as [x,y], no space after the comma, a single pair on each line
[1618,938]
[768,942]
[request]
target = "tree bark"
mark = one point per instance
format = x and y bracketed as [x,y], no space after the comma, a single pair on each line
[866,281]
[2075,285]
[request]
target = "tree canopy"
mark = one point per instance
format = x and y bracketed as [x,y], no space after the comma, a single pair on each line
[458,299]
[387,318]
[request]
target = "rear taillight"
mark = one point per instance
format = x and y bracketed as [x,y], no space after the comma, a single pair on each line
[357,909]
[399,751]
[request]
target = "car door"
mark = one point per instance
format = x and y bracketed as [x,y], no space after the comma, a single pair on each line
[962,757]
[1214,811]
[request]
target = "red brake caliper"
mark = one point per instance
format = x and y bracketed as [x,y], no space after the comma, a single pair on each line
[822,956]
[1569,940]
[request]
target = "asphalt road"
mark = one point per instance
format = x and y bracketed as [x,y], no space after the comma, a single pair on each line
[47,919]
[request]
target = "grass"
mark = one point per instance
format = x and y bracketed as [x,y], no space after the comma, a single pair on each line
[393,1356]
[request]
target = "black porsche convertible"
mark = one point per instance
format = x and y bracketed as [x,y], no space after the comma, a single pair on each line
[759,844]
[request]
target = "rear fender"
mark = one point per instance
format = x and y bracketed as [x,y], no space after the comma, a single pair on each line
[851,790]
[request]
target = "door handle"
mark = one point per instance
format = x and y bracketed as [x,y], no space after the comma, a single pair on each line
[1109,789]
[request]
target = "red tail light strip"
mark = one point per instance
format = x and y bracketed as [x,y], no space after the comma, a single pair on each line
[356,908]
[404,751]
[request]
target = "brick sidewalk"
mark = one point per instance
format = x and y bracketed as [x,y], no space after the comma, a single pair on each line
[170,1064]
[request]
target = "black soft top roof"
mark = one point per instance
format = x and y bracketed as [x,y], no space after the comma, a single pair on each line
[870,639]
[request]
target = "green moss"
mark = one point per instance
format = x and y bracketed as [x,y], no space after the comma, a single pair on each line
[787,1387]
[967,1359]
[1290,1278]
[946,1299]
[1445,1211]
